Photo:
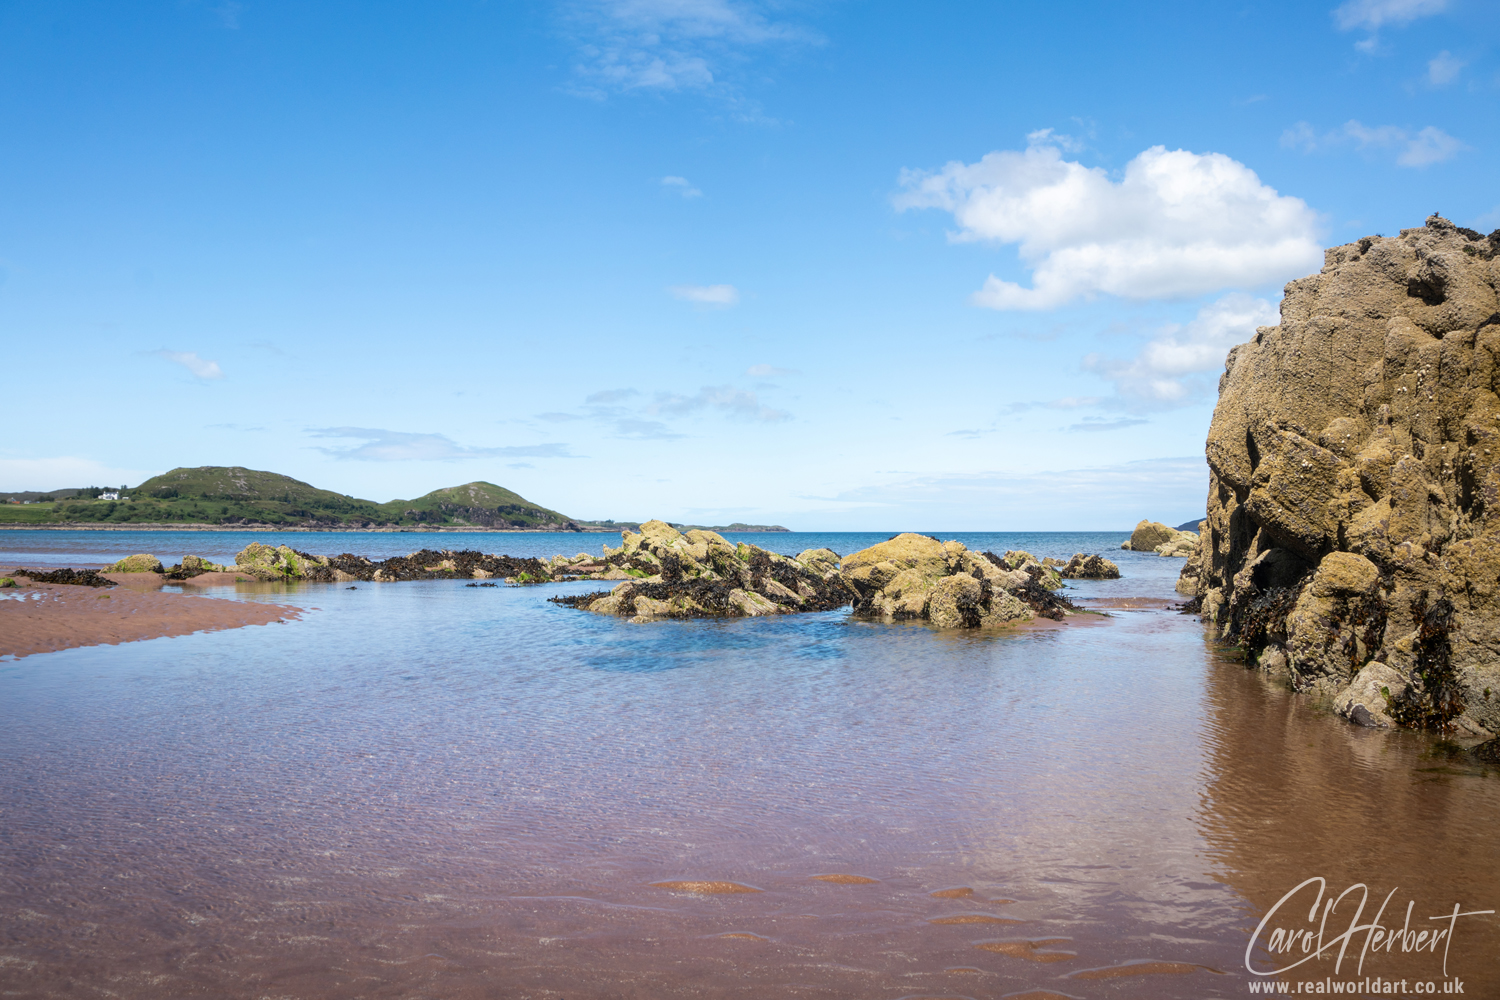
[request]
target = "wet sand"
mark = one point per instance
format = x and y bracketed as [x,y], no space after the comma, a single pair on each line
[43,618]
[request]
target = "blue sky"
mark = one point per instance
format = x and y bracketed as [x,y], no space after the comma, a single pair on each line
[838,265]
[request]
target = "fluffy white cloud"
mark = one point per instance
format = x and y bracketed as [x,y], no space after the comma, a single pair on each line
[666,45]
[1420,149]
[1444,68]
[200,367]
[1161,374]
[1175,224]
[381,445]
[710,295]
[681,185]
[1374,14]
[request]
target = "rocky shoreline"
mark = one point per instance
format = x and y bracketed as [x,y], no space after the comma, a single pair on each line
[1352,544]
[664,573]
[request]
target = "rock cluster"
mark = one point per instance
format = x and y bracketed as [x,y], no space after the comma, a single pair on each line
[1086,567]
[1353,532]
[914,577]
[1153,536]
[669,574]
[262,562]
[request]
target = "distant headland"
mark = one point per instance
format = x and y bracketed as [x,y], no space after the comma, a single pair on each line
[214,497]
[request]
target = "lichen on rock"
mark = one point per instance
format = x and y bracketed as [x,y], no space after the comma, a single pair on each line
[1354,496]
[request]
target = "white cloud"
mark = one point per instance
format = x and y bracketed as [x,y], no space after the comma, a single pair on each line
[64,472]
[667,45]
[681,185]
[725,398]
[200,367]
[769,371]
[1176,224]
[1375,14]
[711,295]
[1444,68]
[399,446]
[1162,373]
[1420,149]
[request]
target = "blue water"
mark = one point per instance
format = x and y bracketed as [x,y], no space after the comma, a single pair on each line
[83,548]
[429,789]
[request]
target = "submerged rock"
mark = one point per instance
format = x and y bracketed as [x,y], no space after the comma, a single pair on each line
[1354,493]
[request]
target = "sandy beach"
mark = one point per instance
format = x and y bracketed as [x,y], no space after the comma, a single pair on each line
[42,618]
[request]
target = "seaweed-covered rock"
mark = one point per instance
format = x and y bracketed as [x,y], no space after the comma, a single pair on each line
[140,563]
[1367,423]
[914,577]
[262,562]
[71,577]
[1087,567]
[6,583]
[700,575]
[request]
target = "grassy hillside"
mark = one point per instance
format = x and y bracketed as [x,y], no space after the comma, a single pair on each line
[477,503]
[230,495]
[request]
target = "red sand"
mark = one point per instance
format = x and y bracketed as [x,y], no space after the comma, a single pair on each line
[57,616]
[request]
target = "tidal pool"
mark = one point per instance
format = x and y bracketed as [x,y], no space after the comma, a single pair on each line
[431,790]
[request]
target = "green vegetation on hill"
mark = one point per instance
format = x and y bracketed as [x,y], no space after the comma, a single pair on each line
[232,496]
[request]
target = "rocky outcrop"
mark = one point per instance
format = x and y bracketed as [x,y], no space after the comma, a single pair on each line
[701,575]
[1354,497]
[262,562]
[1085,567]
[914,577]
[1153,536]
[140,563]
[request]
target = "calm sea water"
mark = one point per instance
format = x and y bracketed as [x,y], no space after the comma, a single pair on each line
[430,790]
[95,548]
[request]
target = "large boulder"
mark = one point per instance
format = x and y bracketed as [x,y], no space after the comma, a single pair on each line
[1148,535]
[1354,490]
[282,563]
[139,563]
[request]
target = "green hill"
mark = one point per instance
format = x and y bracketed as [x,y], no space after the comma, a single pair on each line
[230,495]
[474,503]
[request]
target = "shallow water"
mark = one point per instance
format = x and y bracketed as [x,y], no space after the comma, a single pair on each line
[426,789]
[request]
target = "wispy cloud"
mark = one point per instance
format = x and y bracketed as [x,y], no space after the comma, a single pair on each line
[1176,224]
[200,367]
[681,186]
[1372,15]
[1173,367]
[741,403]
[769,371]
[1104,424]
[380,445]
[1413,149]
[663,46]
[708,295]
[1444,68]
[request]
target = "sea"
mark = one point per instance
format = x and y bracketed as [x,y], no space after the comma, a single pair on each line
[428,789]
